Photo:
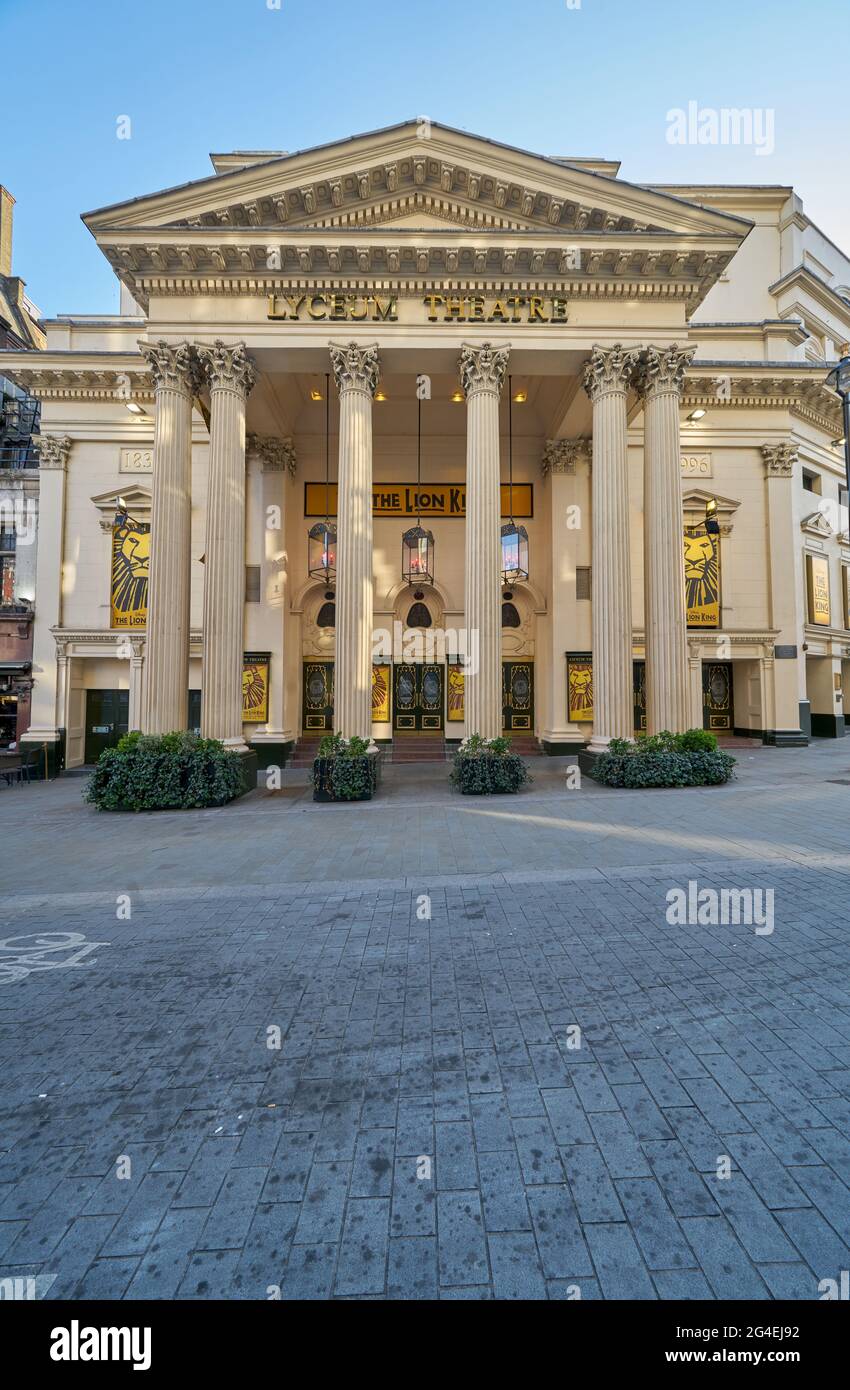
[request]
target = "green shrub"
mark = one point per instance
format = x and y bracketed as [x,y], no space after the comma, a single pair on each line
[691,759]
[486,766]
[344,770]
[165,772]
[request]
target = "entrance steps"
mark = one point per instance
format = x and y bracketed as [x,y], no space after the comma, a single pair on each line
[305,750]
[525,744]
[418,748]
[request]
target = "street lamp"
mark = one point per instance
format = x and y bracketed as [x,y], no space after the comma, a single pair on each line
[839,380]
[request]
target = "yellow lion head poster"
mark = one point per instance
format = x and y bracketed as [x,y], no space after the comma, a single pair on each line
[131,542]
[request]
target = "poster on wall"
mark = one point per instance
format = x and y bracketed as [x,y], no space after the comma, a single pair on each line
[454,704]
[255,687]
[580,687]
[702,577]
[380,694]
[817,584]
[131,542]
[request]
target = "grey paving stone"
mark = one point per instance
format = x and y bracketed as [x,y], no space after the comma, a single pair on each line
[619,1267]
[730,1273]
[654,1226]
[460,1239]
[363,1251]
[516,1266]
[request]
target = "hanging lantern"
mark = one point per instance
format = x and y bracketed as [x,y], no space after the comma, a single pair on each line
[321,538]
[514,538]
[417,556]
[514,553]
[321,557]
[417,544]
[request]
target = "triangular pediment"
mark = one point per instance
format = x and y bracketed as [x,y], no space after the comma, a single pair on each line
[372,178]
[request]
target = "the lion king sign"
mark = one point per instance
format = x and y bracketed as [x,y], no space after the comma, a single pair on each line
[702,577]
[131,542]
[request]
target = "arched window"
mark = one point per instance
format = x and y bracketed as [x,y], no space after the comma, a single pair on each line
[510,615]
[327,615]
[419,616]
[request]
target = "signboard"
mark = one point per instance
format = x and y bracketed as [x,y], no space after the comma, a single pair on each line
[702,577]
[428,499]
[128,598]
[380,694]
[255,687]
[580,687]
[817,584]
[334,306]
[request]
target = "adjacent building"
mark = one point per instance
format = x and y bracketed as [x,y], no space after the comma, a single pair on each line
[416,435]
[20,331]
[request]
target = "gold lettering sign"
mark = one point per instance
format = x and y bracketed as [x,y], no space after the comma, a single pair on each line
[702,577]
[580,687]
[380,694]
[455,704]
[255,687]
[817,584]
[336,306]
[130,571]
[429,499]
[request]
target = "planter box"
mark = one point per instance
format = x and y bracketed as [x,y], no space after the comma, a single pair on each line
[323,786]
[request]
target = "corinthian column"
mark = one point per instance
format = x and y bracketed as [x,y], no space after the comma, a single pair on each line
[356,371]
[482,372]
[230,375]
[606,380]
[662,375]
[175,379]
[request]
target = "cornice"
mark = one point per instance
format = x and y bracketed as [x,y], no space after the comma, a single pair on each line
[729,385]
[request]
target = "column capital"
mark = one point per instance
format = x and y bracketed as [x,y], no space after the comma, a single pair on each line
[53,451]
[276,455]
[609,370]
[779,459]
[663,369]
[172,365]
[483,368]
[355,368]
[227,368]
[562,455]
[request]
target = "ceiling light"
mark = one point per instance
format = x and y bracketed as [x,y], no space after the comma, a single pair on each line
[458,397]
[521,397]
[697,414]
[134,408]
[315,395]
[380,396]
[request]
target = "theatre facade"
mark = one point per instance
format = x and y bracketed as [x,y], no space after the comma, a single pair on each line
[417,435]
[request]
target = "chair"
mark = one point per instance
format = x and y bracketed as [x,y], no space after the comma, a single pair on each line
[10,769]
[32,764]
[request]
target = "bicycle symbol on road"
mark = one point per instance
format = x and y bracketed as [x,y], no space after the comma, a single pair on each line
[60,950]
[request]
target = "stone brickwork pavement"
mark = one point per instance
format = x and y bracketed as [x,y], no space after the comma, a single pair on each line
[432,1123]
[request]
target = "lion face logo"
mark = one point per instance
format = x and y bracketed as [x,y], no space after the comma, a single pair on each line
[253,688]
[581,689]
[131,546]
[701,571]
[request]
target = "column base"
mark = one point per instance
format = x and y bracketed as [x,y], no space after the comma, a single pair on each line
[561,745]
[249,771]
[587,757]
[784,738]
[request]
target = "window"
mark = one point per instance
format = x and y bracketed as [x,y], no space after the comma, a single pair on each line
[419,616]
[811,481]
[327,615]
[7,565]
[510,615]
[583,582]
[252,583]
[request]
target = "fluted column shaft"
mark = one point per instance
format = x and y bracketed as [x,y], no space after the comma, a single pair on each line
[356,371]
[482,372]
[607,377]
[165,703]
[230,375]
[667,698]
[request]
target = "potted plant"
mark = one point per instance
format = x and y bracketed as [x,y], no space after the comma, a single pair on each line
[485,766]
[345,770]
[691,759]
[165,772]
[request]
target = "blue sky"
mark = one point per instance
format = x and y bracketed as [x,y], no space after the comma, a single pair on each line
[595,77]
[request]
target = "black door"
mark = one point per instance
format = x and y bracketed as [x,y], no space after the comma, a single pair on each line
[639,689]
[418,697]
[718,710]
[318,697]
[107,715]
[194,723]
[518,696]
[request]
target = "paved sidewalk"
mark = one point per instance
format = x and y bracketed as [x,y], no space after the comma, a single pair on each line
[428,1126]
